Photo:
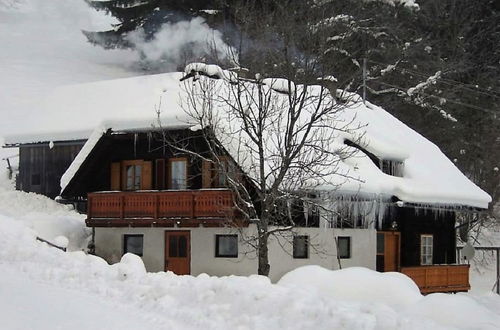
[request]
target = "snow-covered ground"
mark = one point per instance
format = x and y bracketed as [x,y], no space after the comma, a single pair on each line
[45,288]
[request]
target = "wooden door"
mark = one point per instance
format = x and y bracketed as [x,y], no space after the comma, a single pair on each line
[388,251]
[178,252]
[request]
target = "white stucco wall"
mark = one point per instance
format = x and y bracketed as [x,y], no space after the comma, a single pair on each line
[322,249]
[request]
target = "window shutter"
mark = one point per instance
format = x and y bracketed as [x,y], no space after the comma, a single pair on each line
[160,174]
[147,179]
[206,174]
[115,176]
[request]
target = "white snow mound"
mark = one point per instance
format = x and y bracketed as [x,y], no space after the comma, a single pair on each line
[131,266]
[355,284]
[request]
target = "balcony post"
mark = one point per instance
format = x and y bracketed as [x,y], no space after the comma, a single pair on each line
[498,270]
[193,202]
[156,206]
[122,206]
[89,207]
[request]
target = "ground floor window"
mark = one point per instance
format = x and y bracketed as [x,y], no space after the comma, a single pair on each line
[226,246]
[133,244]
[344,247]
[426,247]
[301,247]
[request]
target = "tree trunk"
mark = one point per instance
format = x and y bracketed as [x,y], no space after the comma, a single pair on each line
[263,252]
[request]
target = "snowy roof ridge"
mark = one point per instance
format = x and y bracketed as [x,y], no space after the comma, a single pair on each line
[82,156]
[43,137]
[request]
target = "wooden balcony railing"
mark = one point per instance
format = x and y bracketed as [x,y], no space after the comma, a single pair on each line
[439,278]
[147,208]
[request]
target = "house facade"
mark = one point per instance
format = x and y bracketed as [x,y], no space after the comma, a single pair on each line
[176,211]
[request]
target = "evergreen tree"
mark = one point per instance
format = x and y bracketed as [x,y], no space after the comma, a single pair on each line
[148,15]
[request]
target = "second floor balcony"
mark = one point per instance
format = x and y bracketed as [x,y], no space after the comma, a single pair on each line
[208,207]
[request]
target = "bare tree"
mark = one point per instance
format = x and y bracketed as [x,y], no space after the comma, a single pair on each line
[281,135]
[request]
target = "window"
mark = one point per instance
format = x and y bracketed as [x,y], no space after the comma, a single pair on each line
[133,244]
[226,246]
[222,173]
[300,247]
[392,167]
[35,179]
[133,177]
[178,246]
[380,243]
[178,173]
[426,247]
[216,174]
[344,247]
[387,166]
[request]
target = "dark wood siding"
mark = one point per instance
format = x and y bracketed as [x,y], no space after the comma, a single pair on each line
[41,168]
[413,222]
[95,173]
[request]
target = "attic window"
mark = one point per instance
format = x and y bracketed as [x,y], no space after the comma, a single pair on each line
[392,167]
[387,166]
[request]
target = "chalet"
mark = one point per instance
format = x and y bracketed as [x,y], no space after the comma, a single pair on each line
[174,209]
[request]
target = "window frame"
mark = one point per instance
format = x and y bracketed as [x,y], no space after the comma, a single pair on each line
[217,250]
[134,163]
[349,247]
[125,238]
[296,239]
[170,176]
[422,249]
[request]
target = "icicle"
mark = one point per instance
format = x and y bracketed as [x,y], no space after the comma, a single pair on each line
[135,145]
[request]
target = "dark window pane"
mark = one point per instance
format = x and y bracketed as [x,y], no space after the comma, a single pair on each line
[172,246]
[133,244]
[344,247]
[130,177]
[380,243]
[182,247]
[226,246]
[138,175]
[178,174]
[300,247]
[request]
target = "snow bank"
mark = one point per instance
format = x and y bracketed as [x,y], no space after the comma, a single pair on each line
[458,311]
[355,284]
[45,218]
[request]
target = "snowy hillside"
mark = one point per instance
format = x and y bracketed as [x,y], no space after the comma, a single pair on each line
[43,47]
[46,288]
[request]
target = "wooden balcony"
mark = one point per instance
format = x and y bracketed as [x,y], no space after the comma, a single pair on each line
[183,208]
[439,278]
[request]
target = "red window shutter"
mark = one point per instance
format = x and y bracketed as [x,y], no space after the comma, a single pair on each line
[115,176]
[147,178]
[206,174]
[160,174]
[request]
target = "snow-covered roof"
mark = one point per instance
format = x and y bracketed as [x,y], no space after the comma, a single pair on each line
[129,104]
[42,137]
